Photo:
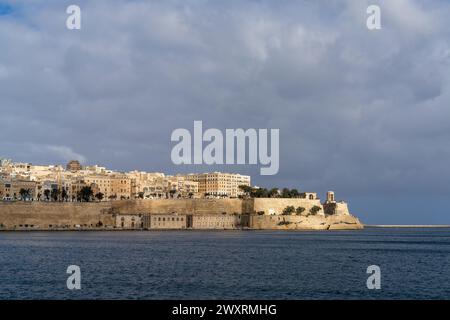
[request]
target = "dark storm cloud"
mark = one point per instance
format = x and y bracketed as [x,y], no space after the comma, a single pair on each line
[363,112]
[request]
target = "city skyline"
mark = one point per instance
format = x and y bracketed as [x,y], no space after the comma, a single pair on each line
[77,183]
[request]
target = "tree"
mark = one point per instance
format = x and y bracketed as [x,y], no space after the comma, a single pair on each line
[315,209]
[260,193]
[99,196]
[55,194]
[24,193]
[247,190]
[285,193]
[288,210]
[64,194]
[299,210]
[85,194]
[294,193]
[273,193]
[47,194]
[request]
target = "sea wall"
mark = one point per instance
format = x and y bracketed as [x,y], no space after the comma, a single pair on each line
[39,215]
[279,222]
[184,206]
[208,214]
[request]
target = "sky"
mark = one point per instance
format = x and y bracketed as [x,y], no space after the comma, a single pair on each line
[365,113]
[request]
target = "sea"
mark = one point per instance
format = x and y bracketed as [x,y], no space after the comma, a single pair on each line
[414,263]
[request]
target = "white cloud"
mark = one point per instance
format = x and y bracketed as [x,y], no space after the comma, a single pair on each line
[65,153]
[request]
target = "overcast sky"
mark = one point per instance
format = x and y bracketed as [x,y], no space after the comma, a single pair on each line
[363,113]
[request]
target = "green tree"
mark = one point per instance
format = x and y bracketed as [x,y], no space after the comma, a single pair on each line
[85,194]
[99,196]
[299,210]
[294,193]
[112,197]
[64,194]
[315,209]
[285,193]
[260,193]
[24,193]
[55,194]
[273,193]
[246,189]
[288,210]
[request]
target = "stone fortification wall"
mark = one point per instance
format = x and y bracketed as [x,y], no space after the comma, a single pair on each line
[276,206]
[182,206]
[336,222]
[221,213]
[38,215]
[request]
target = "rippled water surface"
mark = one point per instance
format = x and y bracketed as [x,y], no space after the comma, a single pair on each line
[415,263]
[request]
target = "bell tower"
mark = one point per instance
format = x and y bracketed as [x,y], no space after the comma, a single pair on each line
[330,197]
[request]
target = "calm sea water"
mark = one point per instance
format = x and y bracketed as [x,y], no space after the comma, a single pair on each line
[415,264]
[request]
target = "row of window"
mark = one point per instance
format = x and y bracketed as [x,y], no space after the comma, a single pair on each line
[168,219]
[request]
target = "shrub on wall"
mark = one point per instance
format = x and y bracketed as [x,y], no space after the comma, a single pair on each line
[299,210]
[315,209]
[288,210]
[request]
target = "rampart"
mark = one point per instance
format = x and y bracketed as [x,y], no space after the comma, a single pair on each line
[260,213]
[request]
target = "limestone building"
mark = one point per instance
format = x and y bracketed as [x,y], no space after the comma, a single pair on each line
[74,165]
[218,184]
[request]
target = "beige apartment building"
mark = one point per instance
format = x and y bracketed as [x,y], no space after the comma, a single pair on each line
[181,186]
[117,186]
[153,185]
[10,189]
[147,185]
[218,184]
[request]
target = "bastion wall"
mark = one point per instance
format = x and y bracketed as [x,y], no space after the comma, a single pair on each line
[317,222]
[39,215]
[260,213]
